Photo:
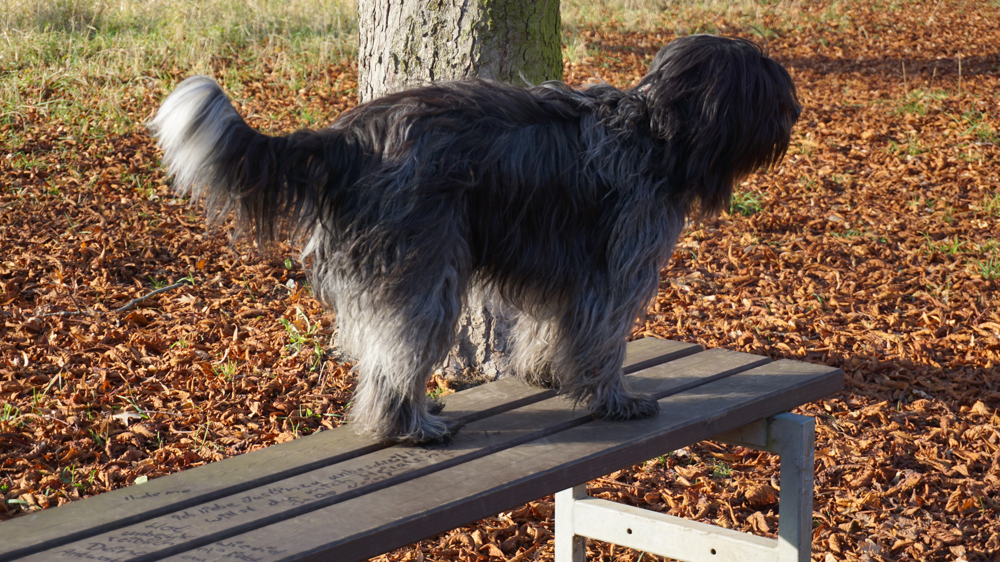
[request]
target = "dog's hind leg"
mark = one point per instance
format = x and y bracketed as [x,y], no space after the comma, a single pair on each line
[397,343]
[532,350]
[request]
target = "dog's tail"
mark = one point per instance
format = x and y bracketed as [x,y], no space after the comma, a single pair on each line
[275,184]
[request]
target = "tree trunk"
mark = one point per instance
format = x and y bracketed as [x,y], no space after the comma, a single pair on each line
[408,42]
[405,43]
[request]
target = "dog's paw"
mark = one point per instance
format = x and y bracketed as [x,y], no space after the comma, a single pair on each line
[435,406]
[626,407]
[542,378]
[432,430]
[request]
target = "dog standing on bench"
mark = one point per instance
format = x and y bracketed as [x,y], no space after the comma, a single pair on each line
[566,203]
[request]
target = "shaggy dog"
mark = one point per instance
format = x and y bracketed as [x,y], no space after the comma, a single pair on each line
[565,203]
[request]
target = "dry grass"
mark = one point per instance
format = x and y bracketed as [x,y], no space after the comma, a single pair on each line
[107,52]
[85,45]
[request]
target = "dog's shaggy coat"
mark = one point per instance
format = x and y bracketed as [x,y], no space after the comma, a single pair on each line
[566,203]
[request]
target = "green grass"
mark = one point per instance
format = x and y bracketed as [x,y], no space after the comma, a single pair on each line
[913,147]
[70,476]
[746,203]
[854,233]
[989,246]
[919,102]
[87,63]
[720,469]
[989,269]
[574,46]
[226,369]
[157,284]
[991,204]
[10,414]
[949,246]
[309,337]
[977,125]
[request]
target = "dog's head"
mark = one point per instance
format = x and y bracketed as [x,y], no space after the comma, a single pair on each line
[724,109]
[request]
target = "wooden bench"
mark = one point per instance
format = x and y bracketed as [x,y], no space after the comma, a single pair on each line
[336,496]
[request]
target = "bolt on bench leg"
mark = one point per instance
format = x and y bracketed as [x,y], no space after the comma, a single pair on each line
[790,436]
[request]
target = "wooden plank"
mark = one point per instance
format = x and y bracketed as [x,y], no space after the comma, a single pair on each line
[192,525]
[351,478]
[753,435]
[43,529]
[392,517]
[648,352]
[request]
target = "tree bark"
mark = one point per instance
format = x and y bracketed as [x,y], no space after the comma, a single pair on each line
[408,42]
[405,43]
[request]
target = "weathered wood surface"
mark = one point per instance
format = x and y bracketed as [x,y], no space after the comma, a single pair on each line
[201,488]
[518,444]
[389,518]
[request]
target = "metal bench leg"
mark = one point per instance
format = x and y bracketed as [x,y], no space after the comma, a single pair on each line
[570,547]
[791,436]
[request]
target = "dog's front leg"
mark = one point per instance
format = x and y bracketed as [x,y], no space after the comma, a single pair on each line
[611,399]
[589,359]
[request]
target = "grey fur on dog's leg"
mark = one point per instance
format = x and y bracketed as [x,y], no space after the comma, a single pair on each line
[594,362]
[382,413]
[391,400]
[625,406]
[398,339]
[533,350]
[611,399]
[394,404]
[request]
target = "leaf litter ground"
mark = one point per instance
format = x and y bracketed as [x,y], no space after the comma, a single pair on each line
[871,248]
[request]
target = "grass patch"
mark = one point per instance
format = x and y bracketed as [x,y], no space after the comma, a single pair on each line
[303,334]
[85,62]
[988,269]
[746,203]
[685,17]
[977,125]
[949,246]
[991,204]
[10,414]
[226,369]
[720,469]
[919,102]
[989,246]
[913,147]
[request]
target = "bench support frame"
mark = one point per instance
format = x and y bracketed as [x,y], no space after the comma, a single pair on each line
[791,436]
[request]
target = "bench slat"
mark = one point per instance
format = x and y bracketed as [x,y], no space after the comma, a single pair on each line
[207,485]
[389,518]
